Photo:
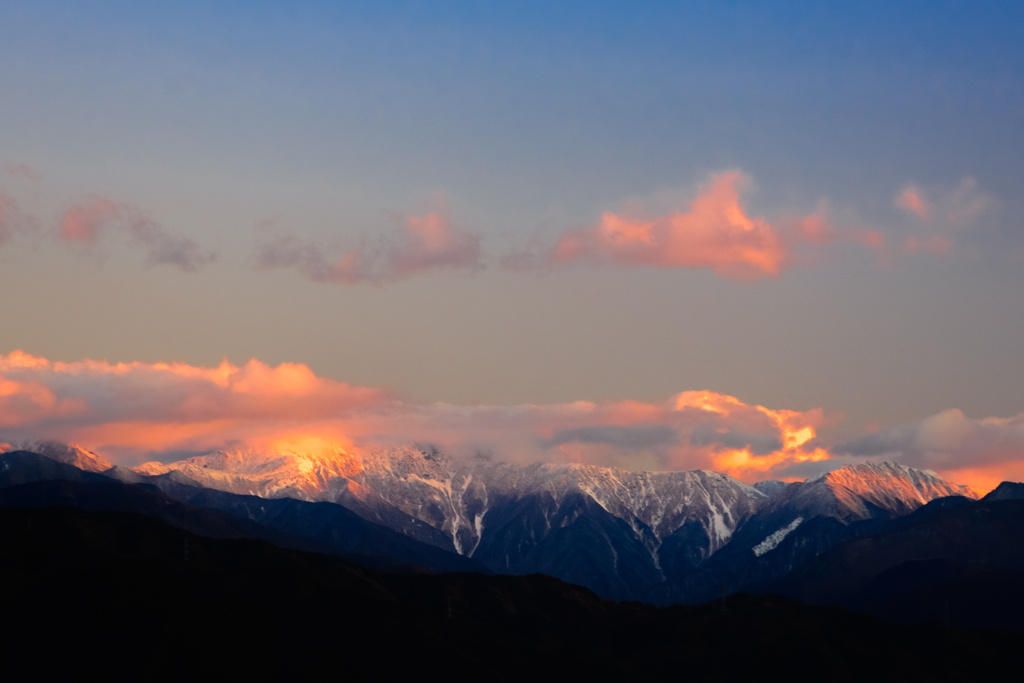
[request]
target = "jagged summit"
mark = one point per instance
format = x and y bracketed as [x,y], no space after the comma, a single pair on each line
[861,490]
[69,454]
[288,473]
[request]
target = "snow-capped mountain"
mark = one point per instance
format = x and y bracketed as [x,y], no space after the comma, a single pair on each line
[68,454]
[514,519]
[866,491]
[804,519]
[615,531]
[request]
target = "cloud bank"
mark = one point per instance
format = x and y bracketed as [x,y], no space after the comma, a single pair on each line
[135,412]
[986,450]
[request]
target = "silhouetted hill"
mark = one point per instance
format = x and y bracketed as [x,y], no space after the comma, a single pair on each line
[954,559]
[125,596]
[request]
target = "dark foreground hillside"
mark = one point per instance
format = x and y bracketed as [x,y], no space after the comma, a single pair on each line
[127,596]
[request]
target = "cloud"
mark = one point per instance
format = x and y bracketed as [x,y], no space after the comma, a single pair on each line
[132,412]
[23,172]
[715,231]
[135,412]
[981,451]
[911,200]
[934,243]
[947,211]
[945,440]
[6,219]
[757,444]
[640,436]
[421,244]
[951,208]
[85,223]
[12,220]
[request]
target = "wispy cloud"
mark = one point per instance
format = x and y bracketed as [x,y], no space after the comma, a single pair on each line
[941,212]
[85,224]
[13,220]
[422,243]
[911,200]
[23,172]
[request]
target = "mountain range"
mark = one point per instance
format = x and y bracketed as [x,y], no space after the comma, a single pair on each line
[664,537]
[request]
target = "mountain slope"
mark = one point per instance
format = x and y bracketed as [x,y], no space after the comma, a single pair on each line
[805,519]
[952,559]
[247,609]
[69,454]
[32,480]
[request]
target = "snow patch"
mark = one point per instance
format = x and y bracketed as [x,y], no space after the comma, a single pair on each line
[775,539]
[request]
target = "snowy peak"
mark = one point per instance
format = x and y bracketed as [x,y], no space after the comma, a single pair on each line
[895,488]
[866,491]
[293,474]
[69,454]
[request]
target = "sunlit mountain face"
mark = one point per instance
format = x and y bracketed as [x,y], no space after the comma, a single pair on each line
[286,427]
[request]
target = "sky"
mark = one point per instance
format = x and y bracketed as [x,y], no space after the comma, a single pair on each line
[648,235]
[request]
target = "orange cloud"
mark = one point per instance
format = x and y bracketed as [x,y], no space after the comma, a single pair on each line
[423,243]
[136,412]
[715,233]
[131,412]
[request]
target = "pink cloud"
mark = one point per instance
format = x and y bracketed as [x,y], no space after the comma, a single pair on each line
[131,412]
[949,211]
[715,231]
[85,224]
[423,243]
[912,200]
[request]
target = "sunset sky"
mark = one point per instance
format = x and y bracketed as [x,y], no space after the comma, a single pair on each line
[763,238]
